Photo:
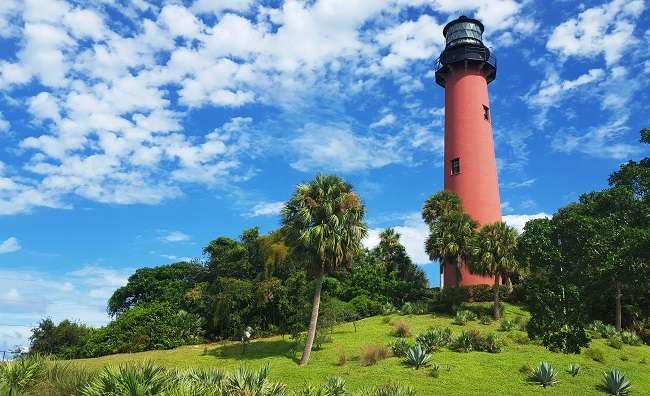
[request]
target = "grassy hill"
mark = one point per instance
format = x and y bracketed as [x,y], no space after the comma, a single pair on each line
[460,374]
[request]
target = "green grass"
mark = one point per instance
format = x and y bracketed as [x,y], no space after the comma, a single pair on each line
[459,373]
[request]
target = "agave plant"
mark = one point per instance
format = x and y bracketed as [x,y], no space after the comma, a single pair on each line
[574,369]
[544,375]
[615,383]
[251,383]
[21,375]
[144,379]
[630,338]
[417,357]
[434,339]
[335,386]
[464,316]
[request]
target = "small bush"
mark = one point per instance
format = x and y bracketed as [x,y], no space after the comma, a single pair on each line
[400,347]
[521,323]
[466,341]
[341,358]
[601,329]
[574,369]
[373,353]
[401,329]
[408,309]
[22,375]
[507,325]
[624,358]
[492,343]
[630,338]
[434,339]
[519,338]
[615,342]
[596,354]
[365,306]
[390,390]
[525,369]
[615,383]
[417,357]
[389,309]
[335,386]
[544,375]
[643,361]
[464,316]
[435,370]
[486,320]
[386,319]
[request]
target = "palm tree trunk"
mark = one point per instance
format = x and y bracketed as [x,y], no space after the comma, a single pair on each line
[619,294]
[311,332]
[497,309]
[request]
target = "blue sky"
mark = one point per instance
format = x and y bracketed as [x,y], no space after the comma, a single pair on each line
[132,134]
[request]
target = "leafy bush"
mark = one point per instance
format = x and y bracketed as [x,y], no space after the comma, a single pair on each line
[400,347]
[521,339]
[507,325]
[630,338]
[615,342]
[365,306]
[434,339]
[615,383]
[544,375]
[401,329]
[142,379]
[341,358]
[64,340]
[574,369]
[485,320]
[435,370]
[373,353]
[601,329]
[410,308]
[596,354]
[525,369]
[335,386]
[464,316]
[417,357]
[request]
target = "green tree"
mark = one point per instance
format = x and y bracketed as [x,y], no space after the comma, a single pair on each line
[63,340]
[450,239]
[439,204]
[323,222]
[494,253]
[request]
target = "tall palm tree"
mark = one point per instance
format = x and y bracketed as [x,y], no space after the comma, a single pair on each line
[439,204]
[494,254]
[323,223]
[450,239]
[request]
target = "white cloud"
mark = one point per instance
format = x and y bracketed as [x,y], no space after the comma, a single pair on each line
[413,234]
[607,29]
[210,6]
[266,209]
[553,89]
[175,236]
[85,23]
[10,245]
[518,221]
[388,119]
[4,124]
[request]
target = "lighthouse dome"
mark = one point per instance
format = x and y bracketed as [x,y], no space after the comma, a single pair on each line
[463,31]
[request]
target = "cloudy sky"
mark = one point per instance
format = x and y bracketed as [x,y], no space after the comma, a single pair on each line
[131,134]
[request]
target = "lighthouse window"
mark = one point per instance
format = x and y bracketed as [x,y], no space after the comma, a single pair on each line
[455,166]
[486,113]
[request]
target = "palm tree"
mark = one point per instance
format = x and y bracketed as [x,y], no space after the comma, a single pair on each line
[323,223]
[493,254]
[450,238]
[439,204]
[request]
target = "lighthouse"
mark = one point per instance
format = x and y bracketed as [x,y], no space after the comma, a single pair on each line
[464,69]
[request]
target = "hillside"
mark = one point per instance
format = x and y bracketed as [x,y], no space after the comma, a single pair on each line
[460,373]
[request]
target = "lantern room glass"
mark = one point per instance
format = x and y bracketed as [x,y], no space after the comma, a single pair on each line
[464,33]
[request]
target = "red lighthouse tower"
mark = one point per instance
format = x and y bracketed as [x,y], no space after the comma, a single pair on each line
[464,69]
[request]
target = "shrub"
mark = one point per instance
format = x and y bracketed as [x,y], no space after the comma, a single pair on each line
[463,316]
[544,375]
[143,379]
[400,347]
[624,358]
[388,309]
[452,297]
[507,325]
[574,369]
[521,339]
[492,343]
[643,361]
[525,369]
[521,323]
[365,306]
[385,320]
[630,338]
[615,342]
[466,341]
[62,378]
[615,383]
[434,339]
[145,327]
[408,308]
[435,370]
[596,354]
[335,386]
[486,320]
[390,390]
[373,353]
[417,357]
[341,358]
[64,340]
[601,329]
[401,329]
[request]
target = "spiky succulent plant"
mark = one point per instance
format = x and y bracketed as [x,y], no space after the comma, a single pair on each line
[574,369]
[417,357]
[615,383]
[544,375]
